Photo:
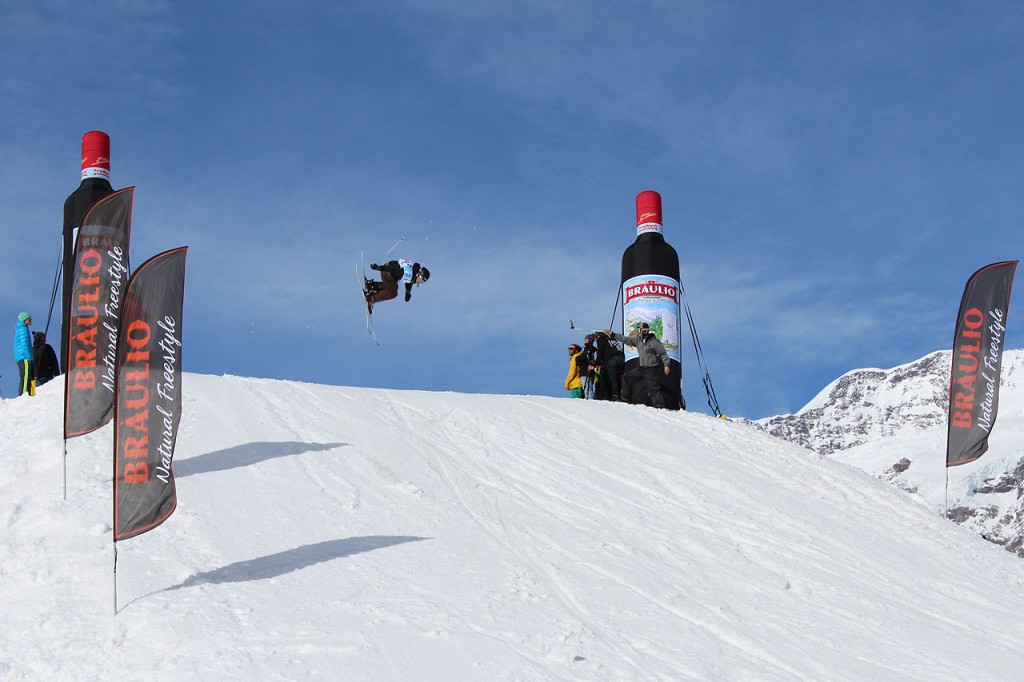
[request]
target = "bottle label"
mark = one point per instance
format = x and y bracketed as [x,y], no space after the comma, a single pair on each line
[653,299]
[96,172]
[647,228]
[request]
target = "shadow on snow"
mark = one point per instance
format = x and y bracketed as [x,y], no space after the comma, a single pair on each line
[244,455]
[275,565]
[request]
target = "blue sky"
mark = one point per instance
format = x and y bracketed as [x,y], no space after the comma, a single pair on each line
[831,172]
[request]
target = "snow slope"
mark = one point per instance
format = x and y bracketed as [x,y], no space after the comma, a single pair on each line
[342,533]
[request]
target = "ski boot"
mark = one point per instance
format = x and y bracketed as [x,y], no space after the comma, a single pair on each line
[372,288]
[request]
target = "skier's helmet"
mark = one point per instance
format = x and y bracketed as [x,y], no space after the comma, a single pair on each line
[424,274]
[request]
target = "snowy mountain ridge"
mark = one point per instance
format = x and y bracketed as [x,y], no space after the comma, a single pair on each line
[892,424]
[866,405]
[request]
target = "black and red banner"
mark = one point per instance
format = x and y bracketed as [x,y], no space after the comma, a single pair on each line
[99,274]
[977,361]
[148,397]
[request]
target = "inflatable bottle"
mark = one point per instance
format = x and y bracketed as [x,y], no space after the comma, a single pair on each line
[94,186]
[650,293]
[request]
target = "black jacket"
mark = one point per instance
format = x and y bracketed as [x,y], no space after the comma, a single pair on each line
[44,359]
[606,350]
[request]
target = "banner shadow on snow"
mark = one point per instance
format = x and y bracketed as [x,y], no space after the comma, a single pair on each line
[275,565]
[245,455]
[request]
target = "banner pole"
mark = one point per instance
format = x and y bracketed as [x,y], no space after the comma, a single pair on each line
[65,469]
[115,577]
[945,497]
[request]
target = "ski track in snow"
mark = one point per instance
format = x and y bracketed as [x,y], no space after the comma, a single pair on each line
[411,535]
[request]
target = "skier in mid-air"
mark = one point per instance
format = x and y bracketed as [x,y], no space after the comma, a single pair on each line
[391,273]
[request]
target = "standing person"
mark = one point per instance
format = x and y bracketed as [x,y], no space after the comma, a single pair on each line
[589,370]
[653,362]
[391,273]
[23,352]
[44,359]
[572,379]
[611,361]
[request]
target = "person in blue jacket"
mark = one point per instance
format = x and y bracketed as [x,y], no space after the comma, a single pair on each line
[23,352]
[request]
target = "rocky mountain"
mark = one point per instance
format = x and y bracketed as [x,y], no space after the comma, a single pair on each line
[892,424]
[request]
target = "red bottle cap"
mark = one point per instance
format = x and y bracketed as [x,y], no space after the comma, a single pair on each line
[648,212]
[96,155]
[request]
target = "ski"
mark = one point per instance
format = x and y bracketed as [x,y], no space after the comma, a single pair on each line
[361,279]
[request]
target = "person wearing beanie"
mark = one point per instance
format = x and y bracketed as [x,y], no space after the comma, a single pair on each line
[44,359]
[23,352]
[391,274]
[611,361]
[588,366]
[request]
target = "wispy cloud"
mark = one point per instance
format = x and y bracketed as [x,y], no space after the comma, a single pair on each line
[89,57]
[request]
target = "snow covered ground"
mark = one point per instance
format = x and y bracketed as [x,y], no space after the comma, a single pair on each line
[342,533]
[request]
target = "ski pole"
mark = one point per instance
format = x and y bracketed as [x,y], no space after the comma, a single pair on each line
[392,248]
[584,329]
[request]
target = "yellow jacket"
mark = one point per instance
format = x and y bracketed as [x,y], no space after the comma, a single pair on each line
[572,379]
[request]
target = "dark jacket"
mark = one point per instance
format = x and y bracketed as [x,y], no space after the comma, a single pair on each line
[606,350]
[582,363]
[590,351]
[45,359]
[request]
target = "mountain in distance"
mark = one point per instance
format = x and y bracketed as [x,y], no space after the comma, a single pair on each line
[892,424]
